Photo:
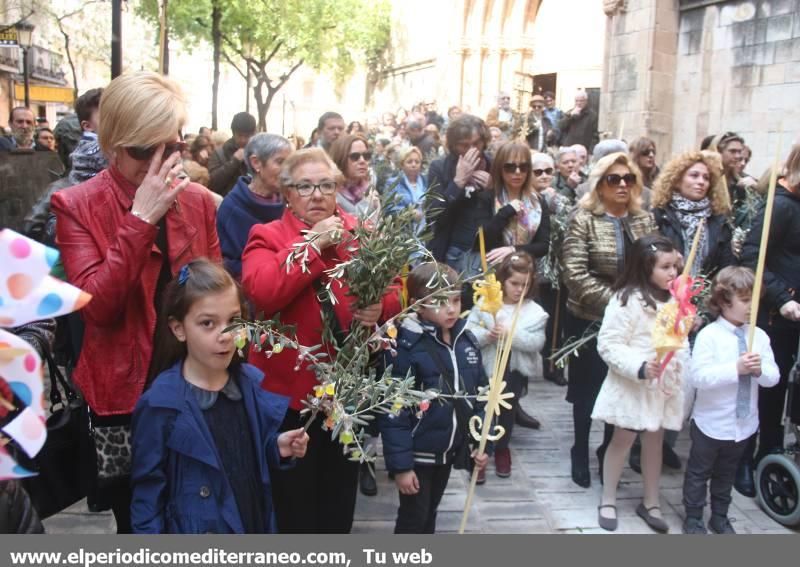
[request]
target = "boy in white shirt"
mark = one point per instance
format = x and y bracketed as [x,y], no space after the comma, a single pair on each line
[725,413]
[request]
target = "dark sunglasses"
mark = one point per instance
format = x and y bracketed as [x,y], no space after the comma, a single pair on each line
[511,167]
[355,156]
[649,153]
[539,172]
[614,179]
[146,154]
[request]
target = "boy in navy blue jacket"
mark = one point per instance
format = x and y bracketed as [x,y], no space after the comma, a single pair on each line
[420,449]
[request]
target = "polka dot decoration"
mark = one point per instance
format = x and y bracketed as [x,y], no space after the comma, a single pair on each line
[28,293]
[19,285]
[20,248]
[50,303]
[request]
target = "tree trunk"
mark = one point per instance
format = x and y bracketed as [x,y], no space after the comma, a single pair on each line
[70,61]
[216,37]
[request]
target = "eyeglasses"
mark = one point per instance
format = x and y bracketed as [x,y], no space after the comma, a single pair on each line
[511,167]
[649,153]
[539,172]
[355,156]
[146,154]
[615,180]
[307,189]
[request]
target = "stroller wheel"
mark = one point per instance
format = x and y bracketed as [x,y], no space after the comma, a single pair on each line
[778,488]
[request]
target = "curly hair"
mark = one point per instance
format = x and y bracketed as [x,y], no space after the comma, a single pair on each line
[730,281]
[670,179]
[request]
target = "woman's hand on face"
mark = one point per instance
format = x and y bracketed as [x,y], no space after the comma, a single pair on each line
[466,166]
[574,179]
[368,316]
[330,231]
[158,191]
[499,254]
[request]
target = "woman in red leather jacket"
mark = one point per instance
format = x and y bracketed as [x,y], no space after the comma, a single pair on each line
[319,494]
[123,235]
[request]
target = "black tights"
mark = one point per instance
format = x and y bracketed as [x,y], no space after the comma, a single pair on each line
[582,422]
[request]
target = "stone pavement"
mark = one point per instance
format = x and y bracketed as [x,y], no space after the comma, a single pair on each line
[540,496]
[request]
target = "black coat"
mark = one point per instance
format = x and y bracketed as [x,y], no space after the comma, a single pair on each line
[17,514]
[718,234]
[580,129]
[782,266]
[452,213]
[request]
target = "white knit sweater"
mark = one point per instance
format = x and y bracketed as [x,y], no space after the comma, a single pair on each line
[526,344]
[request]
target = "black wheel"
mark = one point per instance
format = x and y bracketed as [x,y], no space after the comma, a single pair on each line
[778,488]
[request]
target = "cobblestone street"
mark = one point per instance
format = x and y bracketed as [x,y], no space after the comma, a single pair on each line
[540,496]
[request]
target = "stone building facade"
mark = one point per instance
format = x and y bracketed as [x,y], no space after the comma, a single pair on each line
[680,70]
[465,51]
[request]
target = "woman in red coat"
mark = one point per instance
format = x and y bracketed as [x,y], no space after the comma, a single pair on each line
[319,494]
[123,235]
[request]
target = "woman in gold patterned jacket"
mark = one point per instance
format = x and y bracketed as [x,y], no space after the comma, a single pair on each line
[607,221]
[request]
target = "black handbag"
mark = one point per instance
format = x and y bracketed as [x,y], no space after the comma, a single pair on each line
[59,482]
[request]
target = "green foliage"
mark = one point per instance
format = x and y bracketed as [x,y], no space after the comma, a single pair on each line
[274,37]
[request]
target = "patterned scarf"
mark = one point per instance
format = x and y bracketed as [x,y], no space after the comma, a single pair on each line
[521,228]
[355,193]
[689,214]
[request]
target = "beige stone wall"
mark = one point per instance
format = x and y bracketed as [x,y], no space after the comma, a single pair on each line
[639,74]
[739,66]
[678,76]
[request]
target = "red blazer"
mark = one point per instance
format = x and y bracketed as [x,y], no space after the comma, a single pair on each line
[111,254]
[273,289]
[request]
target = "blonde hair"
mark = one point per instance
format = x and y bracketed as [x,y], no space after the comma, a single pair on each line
[592,201]
[302,157]
[671,176]
[404,153]
[140,110]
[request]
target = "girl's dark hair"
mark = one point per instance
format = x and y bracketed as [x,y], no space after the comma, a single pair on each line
[202,277]
[639,263]
[433,273]
[519,263]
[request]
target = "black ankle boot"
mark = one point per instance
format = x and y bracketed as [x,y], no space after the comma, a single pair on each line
[580,468]
[366,480]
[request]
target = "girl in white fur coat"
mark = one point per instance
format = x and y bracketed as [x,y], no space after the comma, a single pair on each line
[633,398]
[516,275]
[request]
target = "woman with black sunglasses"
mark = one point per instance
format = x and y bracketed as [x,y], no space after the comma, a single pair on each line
[123,235]
[643,153]
[520,222]
[356,195]
[608,220]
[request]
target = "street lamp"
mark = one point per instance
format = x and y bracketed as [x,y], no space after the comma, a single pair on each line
[24,39]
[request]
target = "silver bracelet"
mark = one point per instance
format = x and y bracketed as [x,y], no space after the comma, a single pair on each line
[140,216]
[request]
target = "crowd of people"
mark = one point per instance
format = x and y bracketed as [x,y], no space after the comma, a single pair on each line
[176,235]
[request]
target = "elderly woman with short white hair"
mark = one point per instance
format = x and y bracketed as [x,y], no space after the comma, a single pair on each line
[255,199]
[123,235]
[319,494]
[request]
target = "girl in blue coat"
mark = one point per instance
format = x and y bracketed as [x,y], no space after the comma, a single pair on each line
[205,434]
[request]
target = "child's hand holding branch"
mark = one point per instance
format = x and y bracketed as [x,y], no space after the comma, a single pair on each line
[293,443]
[749,363]
[481,460]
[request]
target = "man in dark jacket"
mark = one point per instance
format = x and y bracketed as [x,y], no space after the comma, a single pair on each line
[579,125]
[226,164]
[779,313]
[460,184]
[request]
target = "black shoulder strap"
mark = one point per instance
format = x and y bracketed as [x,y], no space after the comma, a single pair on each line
[330,314]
